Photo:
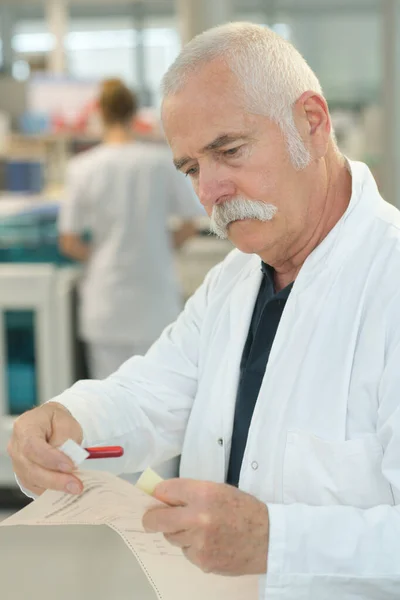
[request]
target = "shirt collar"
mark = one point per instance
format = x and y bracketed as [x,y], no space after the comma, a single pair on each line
[268,273]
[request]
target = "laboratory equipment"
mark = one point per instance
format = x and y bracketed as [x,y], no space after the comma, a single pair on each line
[36,314]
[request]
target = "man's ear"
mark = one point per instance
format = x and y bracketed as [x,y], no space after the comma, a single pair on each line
[312,118]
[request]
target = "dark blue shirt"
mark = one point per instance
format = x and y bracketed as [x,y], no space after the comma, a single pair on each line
[267,313]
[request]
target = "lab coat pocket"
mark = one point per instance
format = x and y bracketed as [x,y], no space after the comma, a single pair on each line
[319,472]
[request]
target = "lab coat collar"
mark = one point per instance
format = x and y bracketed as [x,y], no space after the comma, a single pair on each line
[363,205]
[363,202]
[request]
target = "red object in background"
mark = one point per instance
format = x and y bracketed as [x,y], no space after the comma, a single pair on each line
[105,452]
[81,122]
[141,126]
[58,124]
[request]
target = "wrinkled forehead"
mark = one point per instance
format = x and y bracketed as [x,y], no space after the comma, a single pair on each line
[190,129]
[208,104]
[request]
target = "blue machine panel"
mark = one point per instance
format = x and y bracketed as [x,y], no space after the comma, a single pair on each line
[21,372]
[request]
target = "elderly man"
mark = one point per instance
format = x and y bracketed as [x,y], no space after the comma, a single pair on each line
[279,383]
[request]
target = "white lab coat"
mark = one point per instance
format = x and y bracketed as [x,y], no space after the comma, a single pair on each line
[124,194]
[323,449]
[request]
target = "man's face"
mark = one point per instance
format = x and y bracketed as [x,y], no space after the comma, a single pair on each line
[228,153]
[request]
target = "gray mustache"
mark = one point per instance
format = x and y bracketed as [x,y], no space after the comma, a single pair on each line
[237,209]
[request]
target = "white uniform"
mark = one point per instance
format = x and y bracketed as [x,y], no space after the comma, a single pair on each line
[323,449]
[124,195]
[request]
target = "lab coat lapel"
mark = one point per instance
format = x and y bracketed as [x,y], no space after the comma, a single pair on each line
[241,308]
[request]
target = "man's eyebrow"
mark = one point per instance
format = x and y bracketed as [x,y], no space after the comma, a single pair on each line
[224,140]
[181,162]
[219,142]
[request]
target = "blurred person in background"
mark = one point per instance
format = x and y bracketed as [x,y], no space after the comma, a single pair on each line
[124,192]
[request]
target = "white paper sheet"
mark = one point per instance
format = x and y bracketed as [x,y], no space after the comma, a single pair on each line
[108,500]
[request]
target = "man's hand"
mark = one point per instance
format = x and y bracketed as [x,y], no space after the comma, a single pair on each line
[220,529]
[33,449]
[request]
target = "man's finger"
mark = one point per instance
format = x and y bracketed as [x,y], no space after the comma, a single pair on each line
[38,491]
[182,539]
[33,476]
[168,520]
[178,492]
[39,452]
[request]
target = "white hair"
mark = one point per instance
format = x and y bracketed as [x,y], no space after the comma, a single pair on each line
[271,71]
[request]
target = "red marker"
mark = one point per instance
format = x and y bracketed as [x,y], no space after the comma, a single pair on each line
[105,452]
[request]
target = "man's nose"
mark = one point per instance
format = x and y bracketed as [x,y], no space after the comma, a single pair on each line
[213,189]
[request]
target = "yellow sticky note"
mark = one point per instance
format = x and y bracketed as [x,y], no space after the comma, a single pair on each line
[148,481]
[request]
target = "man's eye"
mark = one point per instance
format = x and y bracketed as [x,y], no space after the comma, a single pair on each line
[192,171]
[232,151]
